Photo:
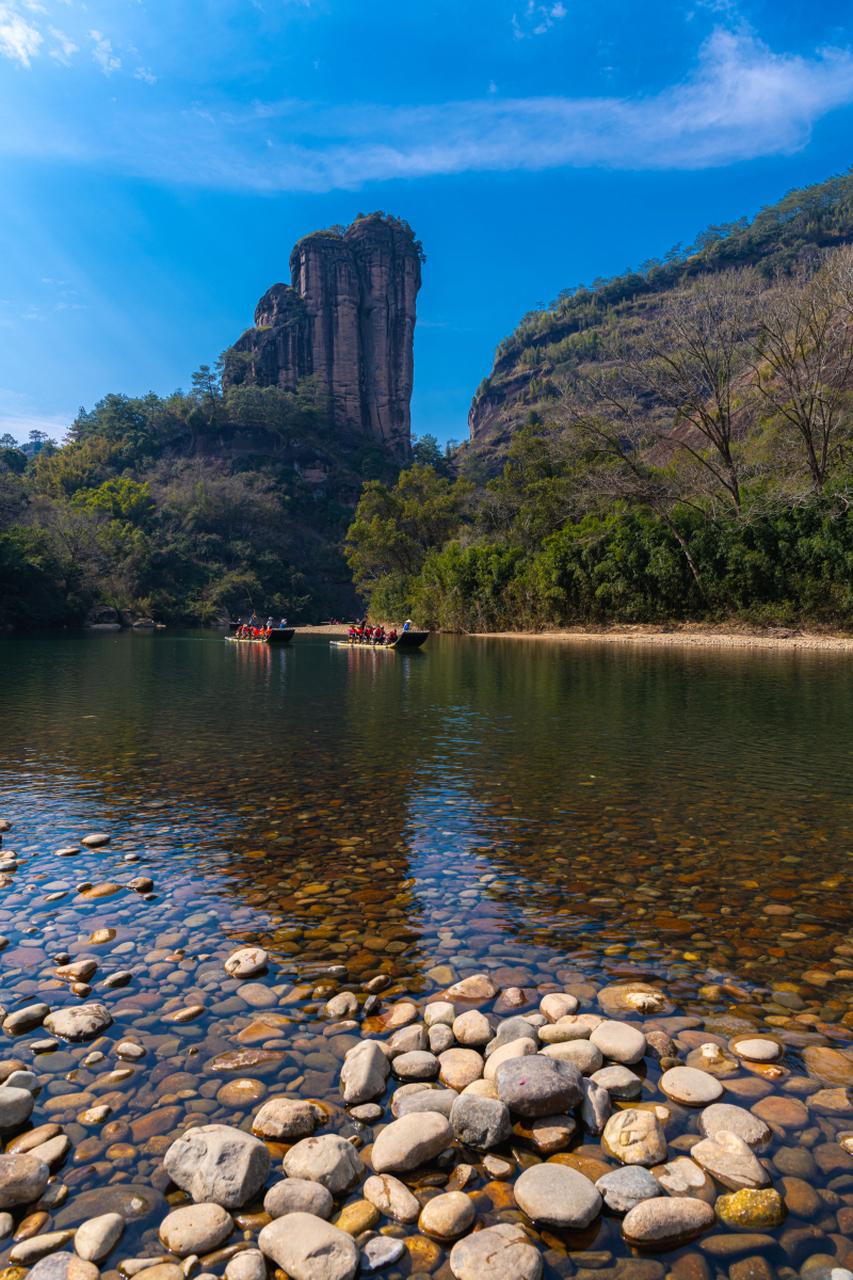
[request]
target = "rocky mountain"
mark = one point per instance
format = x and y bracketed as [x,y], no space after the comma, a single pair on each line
[347,319]
[549,344]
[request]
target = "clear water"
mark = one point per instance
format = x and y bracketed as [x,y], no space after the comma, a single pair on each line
[552,814]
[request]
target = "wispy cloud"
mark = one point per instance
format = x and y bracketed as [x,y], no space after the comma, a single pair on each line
[19,40]
[536,19]
[103,53]
[741,101]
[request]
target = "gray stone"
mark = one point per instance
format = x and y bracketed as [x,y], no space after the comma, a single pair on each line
[557,1196]
[749,1128]
[523,1047]
[667,1221]
[690,1086]
[81,1023]
[22,1179]
[15,1105]
[596,1107]
[439,1013]
[440,1100]
[564,1030]
[381,1251]
[619,1082]
[412,1039]
[512,1029]
[619,1042]
[307,1248]
[624,1188]
[197,1228]
[343,1005]
[298,1195]
[728,1159]
[635,1137]
[441,1038]
[64,1266]
[481,1123]
[502,1252]
[539,1086]
[216,1164]
[22,1080]
[364,1073]
[247,1265]
[416,1066]
[284,1120]
[410,1141]
[327,1159]
[97,1237]
[583,1053]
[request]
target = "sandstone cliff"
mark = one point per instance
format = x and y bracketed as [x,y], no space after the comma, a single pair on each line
[347,319]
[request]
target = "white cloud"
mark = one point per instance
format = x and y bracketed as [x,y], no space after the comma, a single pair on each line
[18,40]
[66,46]
[103,53]
[142,73]
[543,15]
[741,101]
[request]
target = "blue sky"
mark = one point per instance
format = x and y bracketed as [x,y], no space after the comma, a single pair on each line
[158,161]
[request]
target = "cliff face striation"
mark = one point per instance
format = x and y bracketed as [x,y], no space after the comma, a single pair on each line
[348,320]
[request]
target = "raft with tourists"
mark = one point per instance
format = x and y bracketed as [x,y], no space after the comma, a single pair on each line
[363,636]
[250,633]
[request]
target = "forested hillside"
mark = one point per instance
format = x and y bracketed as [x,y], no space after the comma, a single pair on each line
[550,343]
[186,509]
[696,463]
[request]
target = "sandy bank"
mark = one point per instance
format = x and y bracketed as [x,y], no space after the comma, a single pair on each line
[721,638]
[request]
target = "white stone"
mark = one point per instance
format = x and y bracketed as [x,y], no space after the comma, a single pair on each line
[327,1159]
[246,962]
[307,1248]
[410,1141]
[619,1042]
[95,1239]
[216,1164]
[197,1228]
[80,1023]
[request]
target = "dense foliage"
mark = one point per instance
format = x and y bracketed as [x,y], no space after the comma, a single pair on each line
[700,468]
[187,508]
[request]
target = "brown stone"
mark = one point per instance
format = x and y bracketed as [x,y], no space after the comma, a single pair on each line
[785,1112]
[155,1123]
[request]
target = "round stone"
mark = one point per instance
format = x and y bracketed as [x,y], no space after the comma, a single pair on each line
[297,1195]
[634,997]
[307,1248]
[756,1050]
[691,1087]
[788,1113]
[96,840]
[281,1119]
[555,1195]
[392,1198]
[538,1086]
[246,962]
[15,1104]
[197,1228]
[619,1042]
[447,1216]
[97,1237]
[728,1159]
[624,1188]
[418,1065]
[502,1252]
[357,1217]
[460,1067]
[751,1210]
[241,1093]
[558,1004]
[472,1028]
[583,1053]
[635,1137]
[381,1252]
[81,1023]
[667,1221]
[746,1126]
[249,1264]
[23,1178]
[439,1012]
[329,1160]
[620,1083]
[408,1142]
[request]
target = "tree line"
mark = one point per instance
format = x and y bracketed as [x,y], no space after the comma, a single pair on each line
[700,467]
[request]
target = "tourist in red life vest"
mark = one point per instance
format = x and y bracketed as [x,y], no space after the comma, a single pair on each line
[392,636]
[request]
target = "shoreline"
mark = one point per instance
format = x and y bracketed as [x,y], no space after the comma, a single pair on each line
[689,634]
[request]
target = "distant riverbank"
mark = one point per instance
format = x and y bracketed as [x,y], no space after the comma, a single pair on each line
[722,637]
